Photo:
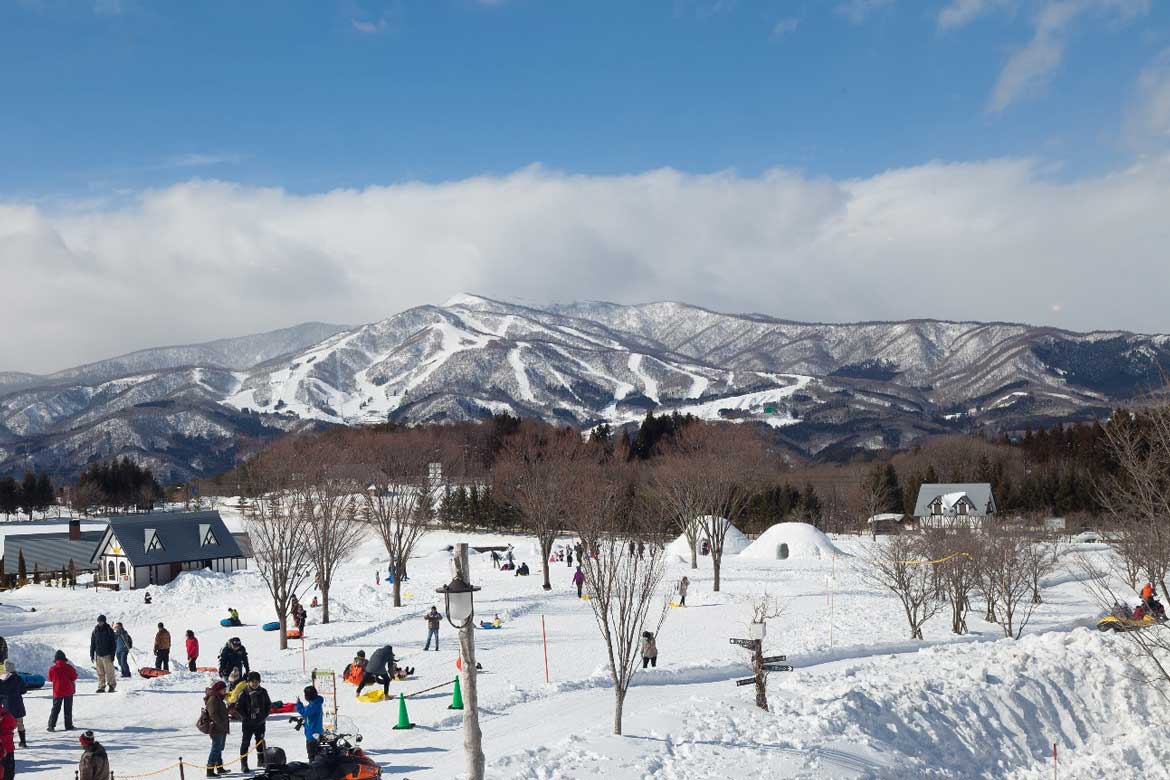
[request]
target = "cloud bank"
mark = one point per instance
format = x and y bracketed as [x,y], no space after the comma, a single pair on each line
[207,259]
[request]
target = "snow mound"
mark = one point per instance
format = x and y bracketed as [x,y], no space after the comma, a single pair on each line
[202,586]
[804,542]
[734,543]
[36,658]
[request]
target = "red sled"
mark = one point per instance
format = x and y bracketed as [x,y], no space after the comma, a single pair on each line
[150,671]
[293,633]
[281,708]
[211,669]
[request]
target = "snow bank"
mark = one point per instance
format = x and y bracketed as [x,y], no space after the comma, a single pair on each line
[36,658]
[733,544]
[804,541]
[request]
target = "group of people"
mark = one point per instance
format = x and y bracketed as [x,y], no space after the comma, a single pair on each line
[241,698]
[381,667]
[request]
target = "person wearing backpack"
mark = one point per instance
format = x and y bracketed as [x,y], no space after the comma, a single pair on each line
[253,706]
[63,677]
[122,646]
[214,722]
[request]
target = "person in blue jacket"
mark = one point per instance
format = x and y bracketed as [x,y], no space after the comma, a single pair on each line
[314,714]
[12,691]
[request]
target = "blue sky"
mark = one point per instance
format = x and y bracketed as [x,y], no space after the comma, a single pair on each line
[314,95]
[175,172]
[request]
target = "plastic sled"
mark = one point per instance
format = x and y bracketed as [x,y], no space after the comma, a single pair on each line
[1113,623]
[373,696]
[32,681]
[293,633]
[150,671]
[211,669]
[489,626]
[273,626]
[281,708]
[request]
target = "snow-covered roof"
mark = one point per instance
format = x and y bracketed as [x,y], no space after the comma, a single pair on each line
[804,542]
[886,517]
[978,493]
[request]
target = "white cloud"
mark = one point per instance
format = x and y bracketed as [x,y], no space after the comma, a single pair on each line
[200,160]
[959,13]
[857,11]
[784,26]
[206,259]
[1028,70]
[367,27]
[1147,121]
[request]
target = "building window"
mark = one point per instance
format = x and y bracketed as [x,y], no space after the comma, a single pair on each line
[209,539]
[122,568]
[155,544]
[110,570]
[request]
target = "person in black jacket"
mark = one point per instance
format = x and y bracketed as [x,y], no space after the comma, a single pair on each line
[12,691]
[102,646]
[379,669]
[233,656]
[253,706]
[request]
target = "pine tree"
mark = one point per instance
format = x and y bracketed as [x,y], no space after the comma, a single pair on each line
[21,569]
[9,496]
[28,493]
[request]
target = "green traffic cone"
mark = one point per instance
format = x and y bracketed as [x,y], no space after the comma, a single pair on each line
[457,699]
[403,718]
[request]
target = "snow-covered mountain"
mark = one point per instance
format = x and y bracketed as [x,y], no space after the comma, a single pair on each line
[825,389]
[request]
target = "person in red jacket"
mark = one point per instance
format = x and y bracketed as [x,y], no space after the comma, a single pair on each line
[7,747]
[63,676]
[192,649]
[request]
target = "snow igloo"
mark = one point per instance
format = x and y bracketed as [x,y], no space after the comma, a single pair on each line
[792,541]
[734,542]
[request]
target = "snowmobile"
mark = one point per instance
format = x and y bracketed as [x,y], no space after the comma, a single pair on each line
[1121,618]
[339,758]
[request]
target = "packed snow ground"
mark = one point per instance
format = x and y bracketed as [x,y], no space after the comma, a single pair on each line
[870,705]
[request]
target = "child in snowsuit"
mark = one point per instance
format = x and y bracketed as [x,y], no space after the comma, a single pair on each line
[63,677]
[7,748]
[579,580]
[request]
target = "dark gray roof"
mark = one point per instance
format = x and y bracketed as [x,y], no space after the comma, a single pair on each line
[179,533]
[245,543]
[978,492]
[50,551]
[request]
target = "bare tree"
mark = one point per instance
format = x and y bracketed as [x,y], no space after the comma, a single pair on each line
[1004,560]
[1041,560]
[398,506]
[539,472]
[329,511]
[875,496]
[956,574]
[708,477]
[623,586]
[898,565]
[280,543]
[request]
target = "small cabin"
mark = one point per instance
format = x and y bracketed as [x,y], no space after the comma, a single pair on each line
[137,551]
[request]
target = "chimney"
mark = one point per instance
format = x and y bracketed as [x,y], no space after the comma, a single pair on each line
[74,530]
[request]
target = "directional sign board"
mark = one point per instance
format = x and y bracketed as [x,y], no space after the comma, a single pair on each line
[775,659]
[749,643]
[747,681]
[777,668]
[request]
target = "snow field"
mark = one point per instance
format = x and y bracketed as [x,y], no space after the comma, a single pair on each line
[870,704]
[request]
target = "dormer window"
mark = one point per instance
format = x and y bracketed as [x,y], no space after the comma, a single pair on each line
[152,542]
[207,536]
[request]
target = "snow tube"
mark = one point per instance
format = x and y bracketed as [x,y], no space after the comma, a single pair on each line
[150,671]
[489,626]
[273,626]
[1113,623]
[293,633]
[227,623]
[280,707]
[32,681]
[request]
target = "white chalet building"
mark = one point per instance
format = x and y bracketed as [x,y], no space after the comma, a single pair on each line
[951,505]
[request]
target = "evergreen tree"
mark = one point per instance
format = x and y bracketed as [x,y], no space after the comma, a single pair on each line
[21,568]
[44,492]
[9,496]
[28,494]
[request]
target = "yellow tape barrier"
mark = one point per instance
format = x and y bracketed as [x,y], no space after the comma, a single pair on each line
[176,765]
[940,560]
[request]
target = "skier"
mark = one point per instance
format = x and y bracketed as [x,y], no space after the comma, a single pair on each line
[12,691]
[220,727]
[649,650]
[683,584]
[233,656]
[122,647]
[94,764]
[314,715]
[434,620]
[192,650]
[579,581]
[253,706]
[102,646]
[379,669]
[162,648]
[63,677]
[7,748]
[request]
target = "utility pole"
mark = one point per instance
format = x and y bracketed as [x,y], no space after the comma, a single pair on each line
[472,736]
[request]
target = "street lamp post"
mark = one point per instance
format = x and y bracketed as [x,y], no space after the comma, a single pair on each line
[459,600]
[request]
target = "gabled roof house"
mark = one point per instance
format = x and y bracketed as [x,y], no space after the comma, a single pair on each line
[153,549]
[954,505]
